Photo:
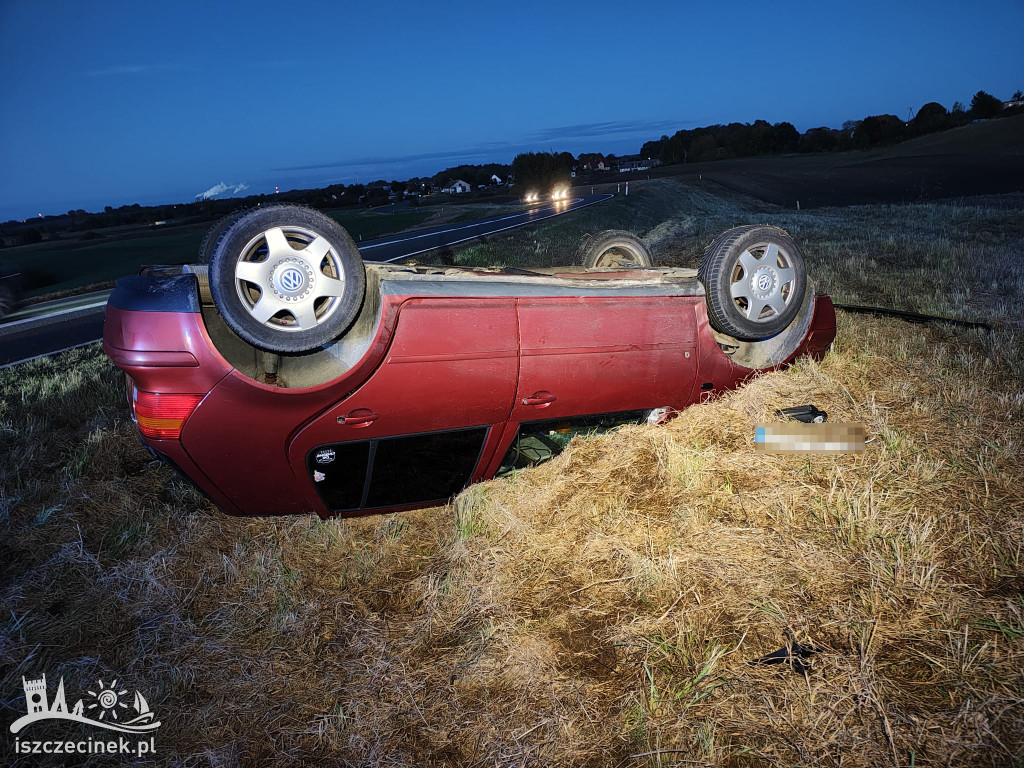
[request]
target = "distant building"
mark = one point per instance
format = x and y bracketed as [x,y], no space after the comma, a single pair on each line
[1013,103]
[638,165]
[495,179]
[456,187]
[593,162]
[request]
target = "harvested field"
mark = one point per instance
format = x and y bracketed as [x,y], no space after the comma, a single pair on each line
[602,609]
[977,159]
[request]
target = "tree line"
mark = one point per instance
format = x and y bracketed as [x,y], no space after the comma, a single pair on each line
[720,142]
[544,170]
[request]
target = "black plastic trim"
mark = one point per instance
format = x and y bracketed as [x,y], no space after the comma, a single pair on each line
[152,293]
[912,317]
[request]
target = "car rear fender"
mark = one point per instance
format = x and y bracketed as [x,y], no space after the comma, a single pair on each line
[812,333]
[242,429]
[154,332]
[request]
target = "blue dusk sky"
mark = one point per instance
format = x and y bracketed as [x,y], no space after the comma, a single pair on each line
[113,102]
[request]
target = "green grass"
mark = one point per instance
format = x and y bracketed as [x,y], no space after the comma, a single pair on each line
[363,225]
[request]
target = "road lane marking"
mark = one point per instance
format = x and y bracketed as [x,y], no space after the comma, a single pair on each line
[530,216]
[5,326]
[484,222]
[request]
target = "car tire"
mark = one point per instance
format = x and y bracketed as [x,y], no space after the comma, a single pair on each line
[754,280]
[614,248]
[286,278]
[213,234]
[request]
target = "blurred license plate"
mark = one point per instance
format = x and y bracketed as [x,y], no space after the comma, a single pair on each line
[795,437]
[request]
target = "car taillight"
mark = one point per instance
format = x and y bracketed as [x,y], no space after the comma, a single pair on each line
[161,415]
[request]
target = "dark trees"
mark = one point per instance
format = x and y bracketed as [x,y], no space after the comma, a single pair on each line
[985,105]
[878,129]
[542,170]
[930,118]
[819,140]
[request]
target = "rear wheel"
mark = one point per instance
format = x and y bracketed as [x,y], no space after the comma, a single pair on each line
[286,278]
[754,279]
[614,248]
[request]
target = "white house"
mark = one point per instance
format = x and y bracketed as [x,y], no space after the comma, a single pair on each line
[456,187]
[495,179]
[638,165]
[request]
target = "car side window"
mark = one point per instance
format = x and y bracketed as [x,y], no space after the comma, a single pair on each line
[393,471]
[430,467]
[539,441]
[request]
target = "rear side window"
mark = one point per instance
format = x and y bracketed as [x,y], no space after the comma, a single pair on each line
[430,467]
[539,441]
[394,471]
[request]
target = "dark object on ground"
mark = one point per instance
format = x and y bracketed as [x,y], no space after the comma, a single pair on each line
[795,655]
[445,377]
[913,317]
[808,414]
[614,248]
[755,281]
[10,291]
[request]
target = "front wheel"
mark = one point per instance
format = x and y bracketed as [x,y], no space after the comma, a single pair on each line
[286,278]
[614,248]
[754,279]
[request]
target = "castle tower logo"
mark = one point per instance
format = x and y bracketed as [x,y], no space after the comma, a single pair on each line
[106,707]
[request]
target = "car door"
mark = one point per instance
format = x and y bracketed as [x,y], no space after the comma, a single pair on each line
[415,433]
[604,354]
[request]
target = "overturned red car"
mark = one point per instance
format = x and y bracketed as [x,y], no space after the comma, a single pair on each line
[288,376]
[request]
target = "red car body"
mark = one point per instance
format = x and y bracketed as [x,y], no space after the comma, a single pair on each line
[453,365]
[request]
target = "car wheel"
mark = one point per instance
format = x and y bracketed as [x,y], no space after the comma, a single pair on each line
[614,248]
[754,279]
[213,234]
[286,278]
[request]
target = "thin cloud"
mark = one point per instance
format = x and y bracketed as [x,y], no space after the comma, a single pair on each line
[487,149]
[276,63]
[385,160]
[135,69]
[608,128]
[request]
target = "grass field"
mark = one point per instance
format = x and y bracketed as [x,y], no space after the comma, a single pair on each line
[979,158]
[602,609]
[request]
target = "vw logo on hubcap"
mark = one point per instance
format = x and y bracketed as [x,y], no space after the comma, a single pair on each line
[764,282]
[291,279]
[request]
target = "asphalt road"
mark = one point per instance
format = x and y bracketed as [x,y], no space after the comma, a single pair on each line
[62,324]
[395,247]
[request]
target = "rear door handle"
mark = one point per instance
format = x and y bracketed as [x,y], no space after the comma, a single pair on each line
[360,417]
[541,399]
